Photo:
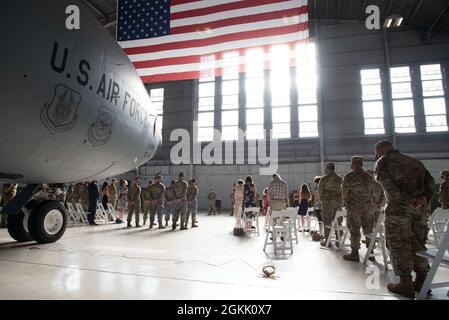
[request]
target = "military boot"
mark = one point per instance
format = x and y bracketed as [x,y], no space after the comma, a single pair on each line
[419,281]
[151,224]
[194,225]
[129,225]
[404,287]
[353,256]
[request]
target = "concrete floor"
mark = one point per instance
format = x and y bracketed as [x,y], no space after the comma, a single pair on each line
[111,262]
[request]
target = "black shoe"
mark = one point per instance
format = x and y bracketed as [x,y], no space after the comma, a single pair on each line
[183,228]
[209,214]
[93,224]
[129,225]
[161,226]
[138,225]
[194,226]
[253,227]
[173,228]
[151,225]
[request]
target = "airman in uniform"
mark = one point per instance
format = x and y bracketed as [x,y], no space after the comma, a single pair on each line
[156,193]
[75,198]
[443,195]
[408,187]
[134,203]
[8,193]
[211,197]
[357,189]
[378,197]
[84,196]
[146,197]
[168,202]
[179,205]
[192,195]
[69,193]
[112,193]
[330,193]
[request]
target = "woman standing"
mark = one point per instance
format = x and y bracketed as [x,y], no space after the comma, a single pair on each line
[304,196]
[249,199]
[122,204]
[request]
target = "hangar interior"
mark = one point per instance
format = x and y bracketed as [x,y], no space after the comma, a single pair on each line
[110,262]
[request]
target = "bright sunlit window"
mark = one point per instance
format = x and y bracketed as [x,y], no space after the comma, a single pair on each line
[280,91]
[157,100]
[230,96]
[307,84]
[206,99]
[373,108]
[434,99]
[254,92]
[403,107]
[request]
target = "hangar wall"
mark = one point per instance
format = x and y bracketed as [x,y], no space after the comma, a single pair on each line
[344,48]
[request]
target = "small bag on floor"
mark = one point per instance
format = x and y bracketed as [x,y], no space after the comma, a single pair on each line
[238,232]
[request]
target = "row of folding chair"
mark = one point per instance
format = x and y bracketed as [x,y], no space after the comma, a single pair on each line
[77,215]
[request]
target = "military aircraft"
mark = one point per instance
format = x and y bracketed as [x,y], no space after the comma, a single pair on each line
[72,108]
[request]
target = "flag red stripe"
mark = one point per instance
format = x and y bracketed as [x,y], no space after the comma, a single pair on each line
[171,77]
[239,20]
[219,39]
[197,58]
[176,2]
[221,8]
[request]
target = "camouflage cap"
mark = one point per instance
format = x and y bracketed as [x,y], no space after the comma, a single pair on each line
[382,144]
[157,176]
[358,159]
[330,165]
[444,173]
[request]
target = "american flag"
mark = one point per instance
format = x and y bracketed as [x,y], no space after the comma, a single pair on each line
[178,39]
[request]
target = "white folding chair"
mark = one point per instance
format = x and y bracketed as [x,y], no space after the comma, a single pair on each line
[72,213]
[438,255]
[81,213]
[103,213]
[437,222]
[378,236]
[254,217]
[111,212]
[292,214]
[279,235]
[340,229]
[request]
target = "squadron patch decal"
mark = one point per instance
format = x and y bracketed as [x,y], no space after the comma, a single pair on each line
[61,114]
[100,131]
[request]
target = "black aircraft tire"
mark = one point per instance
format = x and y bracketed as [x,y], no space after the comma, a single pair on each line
[18,228]
[47,222]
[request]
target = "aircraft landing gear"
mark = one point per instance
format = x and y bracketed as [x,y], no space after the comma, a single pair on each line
[47,222]
[18,226]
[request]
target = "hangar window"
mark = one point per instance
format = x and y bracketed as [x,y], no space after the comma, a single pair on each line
[254,92]
[434,99]
[280,91]
[230,96]
[157,101]
[373,108]
[306,80]
[206,99]
[403,107]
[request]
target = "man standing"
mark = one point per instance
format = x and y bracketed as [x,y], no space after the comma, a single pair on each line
[212,196]
[179,206]
[93,196]
[134,203]
[84,196]
[146,197]
[278,193]
[443,195]
[192,194]
[357,193]
[329,190]
[408,187]
[112,193]
[169,197]
[156,191]
[378,198]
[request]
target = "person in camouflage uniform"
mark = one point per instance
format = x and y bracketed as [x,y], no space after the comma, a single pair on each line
[8,193]
[68,196]
[75,198]
[84,196]
[443,194]
[329,189]
[179,206]
[156,193]
[146,197]
[357,191]
[134,203]
[408,187]
[211,197]
[192,194]
[168,202]
[113,193]
[378,198]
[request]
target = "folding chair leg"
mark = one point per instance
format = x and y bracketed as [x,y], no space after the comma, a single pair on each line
[430,275]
